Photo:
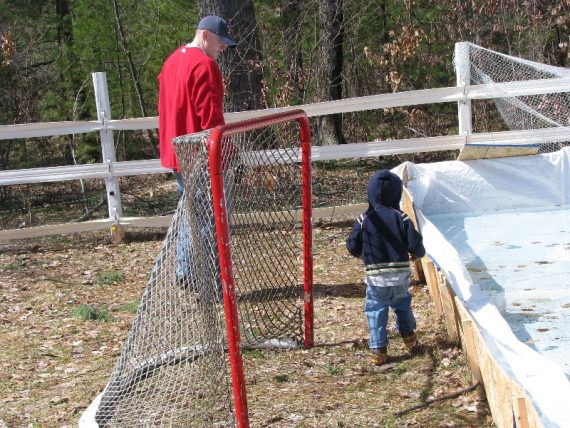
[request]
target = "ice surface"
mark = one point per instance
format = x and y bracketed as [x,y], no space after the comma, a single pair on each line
[521,261]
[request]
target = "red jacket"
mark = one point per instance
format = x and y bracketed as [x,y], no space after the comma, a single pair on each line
[190,98]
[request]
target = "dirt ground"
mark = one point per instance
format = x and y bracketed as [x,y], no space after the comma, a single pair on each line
[53,362]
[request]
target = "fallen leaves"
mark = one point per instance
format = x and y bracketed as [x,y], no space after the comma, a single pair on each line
[332,384]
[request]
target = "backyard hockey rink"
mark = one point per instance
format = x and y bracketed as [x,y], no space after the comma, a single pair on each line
[498,229]
[496,234]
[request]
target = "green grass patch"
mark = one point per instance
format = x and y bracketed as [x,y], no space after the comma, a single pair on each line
[11,266]
[334,370]
[109,277]
[282,378]
[129,307]
[18,264]
[89,313]
[253,353]
[401,368]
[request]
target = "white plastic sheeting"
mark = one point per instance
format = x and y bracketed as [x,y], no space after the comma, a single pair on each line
[500,231]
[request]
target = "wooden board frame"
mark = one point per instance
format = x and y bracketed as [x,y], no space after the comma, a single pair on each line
[493,151]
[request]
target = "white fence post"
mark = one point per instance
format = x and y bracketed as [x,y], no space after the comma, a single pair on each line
[107,146]
[463,74]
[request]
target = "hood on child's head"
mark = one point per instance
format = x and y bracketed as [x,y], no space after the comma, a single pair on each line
[385,188]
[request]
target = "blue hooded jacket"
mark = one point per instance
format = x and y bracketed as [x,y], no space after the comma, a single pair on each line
[384,235]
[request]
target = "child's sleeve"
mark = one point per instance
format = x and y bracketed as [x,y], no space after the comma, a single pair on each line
[354,241]
[414,239]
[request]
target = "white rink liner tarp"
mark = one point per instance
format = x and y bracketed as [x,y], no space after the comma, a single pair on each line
[500,231]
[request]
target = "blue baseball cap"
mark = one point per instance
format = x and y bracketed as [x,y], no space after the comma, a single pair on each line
[219,26]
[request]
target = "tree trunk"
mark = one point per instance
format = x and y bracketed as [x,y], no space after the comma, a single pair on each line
[133,71]
[67,83]
[64,32]
[331,21]
[241,66]
[293,54]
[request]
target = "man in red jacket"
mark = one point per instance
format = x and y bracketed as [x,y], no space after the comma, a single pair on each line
[190,100]
[190,88]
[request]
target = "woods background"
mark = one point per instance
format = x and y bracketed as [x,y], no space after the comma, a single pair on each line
[290,52]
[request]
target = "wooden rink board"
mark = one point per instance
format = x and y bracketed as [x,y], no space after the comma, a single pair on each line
[507,400]
[493,151]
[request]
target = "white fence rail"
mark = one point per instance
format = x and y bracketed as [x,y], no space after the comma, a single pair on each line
[376,148]
[110,169]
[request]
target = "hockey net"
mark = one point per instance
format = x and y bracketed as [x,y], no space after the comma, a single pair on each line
[544,116]
[175,369]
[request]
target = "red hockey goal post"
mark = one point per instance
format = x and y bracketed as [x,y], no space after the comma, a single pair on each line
[218,160]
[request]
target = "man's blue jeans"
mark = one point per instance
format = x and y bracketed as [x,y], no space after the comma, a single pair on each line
[378,302]
[185,246]
[184,243]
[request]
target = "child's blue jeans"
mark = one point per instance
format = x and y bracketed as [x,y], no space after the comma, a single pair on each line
[377,305]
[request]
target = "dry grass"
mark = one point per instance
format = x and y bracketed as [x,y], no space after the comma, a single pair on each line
[53,363]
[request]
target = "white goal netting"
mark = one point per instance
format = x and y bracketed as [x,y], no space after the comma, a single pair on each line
[543,115]
[175,369]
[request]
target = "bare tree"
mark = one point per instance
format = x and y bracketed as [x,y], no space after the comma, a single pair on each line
[331,21]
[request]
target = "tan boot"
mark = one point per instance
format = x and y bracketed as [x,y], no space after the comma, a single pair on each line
[410,339]
[379,355]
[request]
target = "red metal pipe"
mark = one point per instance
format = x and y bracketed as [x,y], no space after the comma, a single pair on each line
[264,121]
[308,295]
[228,285]
[222,232]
